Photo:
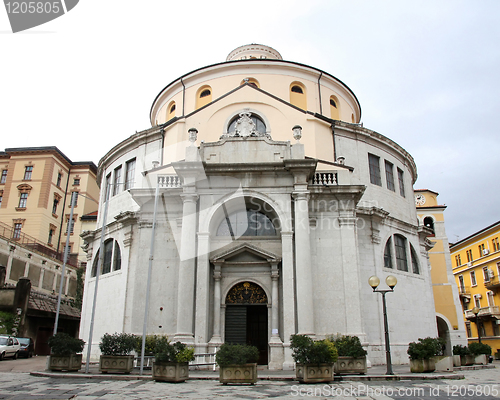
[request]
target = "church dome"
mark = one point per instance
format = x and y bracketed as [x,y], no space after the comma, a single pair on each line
[253,51]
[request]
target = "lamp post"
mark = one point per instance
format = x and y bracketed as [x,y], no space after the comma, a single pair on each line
[391,281]
[475,311]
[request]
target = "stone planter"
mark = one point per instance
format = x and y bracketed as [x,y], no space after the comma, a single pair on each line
[116,364]
[65,363]
[350,365]
[244,373]
[314,373]
[425,365]
[467,360]
[444,363]
[170,372]
[456,361]
[481,359]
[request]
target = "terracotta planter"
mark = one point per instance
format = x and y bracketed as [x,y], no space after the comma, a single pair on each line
[244,373]
[170,372]
[467,360]
[425,365]
[314,373]
[350,365]
[65,363]
[116,364]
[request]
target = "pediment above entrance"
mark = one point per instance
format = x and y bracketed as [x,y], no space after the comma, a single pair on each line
[245,253]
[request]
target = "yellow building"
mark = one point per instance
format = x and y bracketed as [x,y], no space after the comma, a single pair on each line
[476,266]
[446,298]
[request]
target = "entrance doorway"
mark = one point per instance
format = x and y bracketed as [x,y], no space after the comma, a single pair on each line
[246,319]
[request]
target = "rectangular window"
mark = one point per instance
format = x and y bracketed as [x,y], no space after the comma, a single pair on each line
[76,181]
[461,284]
[458,260]
[401,182]
[59,178]
[116,182]
[473,278]
[469,330]
[4,176]
[389,176]
[1,196]
[374,164]
[27,173]
[495,244]
[23,200]
[477,301]
[51,235]
[130,173]
[486,274]
[17,231]
[469,256]
[72,226]
[401,257]
[74,197]
[481,250]
[54,206]
[496,328]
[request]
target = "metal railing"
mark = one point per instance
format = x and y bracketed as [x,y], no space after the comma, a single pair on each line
[200,360]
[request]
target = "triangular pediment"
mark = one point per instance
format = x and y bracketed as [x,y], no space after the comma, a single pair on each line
[245,253]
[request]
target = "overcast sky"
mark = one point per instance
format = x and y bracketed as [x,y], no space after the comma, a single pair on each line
[425,72]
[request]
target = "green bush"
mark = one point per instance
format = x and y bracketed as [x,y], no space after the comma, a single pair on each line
[62,344]
[6,322]
[307,351]
[150,345]
[479,348]
[232,354]
[167,352]
[425,348]
[348,346]
[459,350]
[118,344]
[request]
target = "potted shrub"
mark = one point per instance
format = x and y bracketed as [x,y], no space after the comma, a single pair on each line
[421,354]
[480,352]
[351,355]
[466,358]
[171,361]
[65,352]
[314,359]
[237,363]
[441,360]
[115,349]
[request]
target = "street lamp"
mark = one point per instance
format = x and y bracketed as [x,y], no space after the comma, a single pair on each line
[475,311]
[391,281]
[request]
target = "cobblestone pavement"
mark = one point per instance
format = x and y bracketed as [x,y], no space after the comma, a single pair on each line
[478,384]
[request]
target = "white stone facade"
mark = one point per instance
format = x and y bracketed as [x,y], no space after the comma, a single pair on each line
[259,236]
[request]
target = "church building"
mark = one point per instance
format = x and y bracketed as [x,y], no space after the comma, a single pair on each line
[257,206]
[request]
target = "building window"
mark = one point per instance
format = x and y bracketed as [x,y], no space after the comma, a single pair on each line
[389,176]
[28,172]
[3,179]
[171,110]
[458,261]
[477,300]
[388,254]
[108,187]
[461,286]
[117,179]
[17,231]
[204,96]
[51,235]
[374,164]
[205,93]
[334,108]
[496,328]
[246,223]
[59,178]
[468,328]
[414,261]
[251,81]
[54,206]
[401,256]
[469,256]
[130,173]
[495,244]
[486,274]
[298,96]
[490,296]
[481,250]
[429,223]
[23,200]
[72,226]
[76,181]
[111,260]
[260,126]
[1,197]
[297,89]
[401,182]
[473,278]
[74,195]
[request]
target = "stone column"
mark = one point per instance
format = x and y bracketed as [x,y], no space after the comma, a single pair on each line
[185,288]
[217,337]
[288,308]
[303,272]
[9,262]
[275,344]
[202,307]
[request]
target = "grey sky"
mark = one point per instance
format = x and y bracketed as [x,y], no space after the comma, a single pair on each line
[425,72]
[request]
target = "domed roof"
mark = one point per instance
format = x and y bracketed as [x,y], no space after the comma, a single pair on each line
[253,50]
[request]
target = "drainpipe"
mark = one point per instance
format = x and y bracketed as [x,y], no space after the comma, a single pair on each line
[319,93]
[334,144]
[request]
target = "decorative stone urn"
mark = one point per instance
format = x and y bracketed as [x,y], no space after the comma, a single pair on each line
[423,365]
[350,365]
[72,362]
[242,373]
[116,364]
[170,372]
[314,373]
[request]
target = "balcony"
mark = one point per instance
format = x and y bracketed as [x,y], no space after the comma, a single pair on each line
[169,181]
[464,291]
[493,283]
[493,311]
[324,179]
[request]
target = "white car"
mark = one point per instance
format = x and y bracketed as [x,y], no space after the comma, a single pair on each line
[9,347]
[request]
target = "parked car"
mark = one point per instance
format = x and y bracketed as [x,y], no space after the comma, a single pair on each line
[27,348]
[9,347]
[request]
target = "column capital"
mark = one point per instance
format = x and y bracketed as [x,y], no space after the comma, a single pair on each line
[189,197]
[302,195]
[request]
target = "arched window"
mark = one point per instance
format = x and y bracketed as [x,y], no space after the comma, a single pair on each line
[112,258]
[414,261]
[204,96]
[388,254]
[334,108]
[260,126]
[401,256]
[246,223]
[298,95]
[429,223]
[251,81]
[171,110]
